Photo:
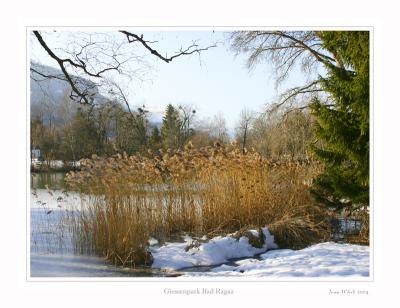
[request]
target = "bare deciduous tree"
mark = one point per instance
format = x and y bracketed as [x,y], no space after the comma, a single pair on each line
[186,115]
[218,129]
[244,126]
[287,51]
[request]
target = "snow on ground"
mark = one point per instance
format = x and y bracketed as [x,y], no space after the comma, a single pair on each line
[218,250]
[321,260]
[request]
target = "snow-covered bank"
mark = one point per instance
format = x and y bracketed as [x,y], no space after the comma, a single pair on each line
[320,260]
[218,250]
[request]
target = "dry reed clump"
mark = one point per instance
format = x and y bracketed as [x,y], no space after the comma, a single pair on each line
[212,190]
[114,229]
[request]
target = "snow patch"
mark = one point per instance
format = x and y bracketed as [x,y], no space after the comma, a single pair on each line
[174,256]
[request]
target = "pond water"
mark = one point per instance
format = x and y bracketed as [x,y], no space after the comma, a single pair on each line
[52,252]
[50,180]
[51,248]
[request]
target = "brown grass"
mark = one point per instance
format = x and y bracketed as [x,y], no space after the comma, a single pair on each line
[212,190]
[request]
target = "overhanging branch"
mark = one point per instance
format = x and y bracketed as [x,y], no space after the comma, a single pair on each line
[132,38]
[81,94]
[292,93]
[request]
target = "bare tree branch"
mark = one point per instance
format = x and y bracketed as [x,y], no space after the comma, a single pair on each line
[61,63]
[132,38]
[120,95]
[45,76]
[287,112]
[319,56]
[310,88]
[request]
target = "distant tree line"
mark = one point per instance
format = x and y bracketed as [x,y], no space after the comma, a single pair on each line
[111,128]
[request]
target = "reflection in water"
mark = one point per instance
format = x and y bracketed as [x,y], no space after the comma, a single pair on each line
[68,265]
[48,180]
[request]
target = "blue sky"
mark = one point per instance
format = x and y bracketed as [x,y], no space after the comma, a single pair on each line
[216,82]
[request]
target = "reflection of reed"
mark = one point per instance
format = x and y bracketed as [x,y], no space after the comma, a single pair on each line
[46,180]
[49,226]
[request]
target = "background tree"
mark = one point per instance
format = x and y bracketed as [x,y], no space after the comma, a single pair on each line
[218,130]
[68,138]
[171,133]
[49,144]
[294,133]
[276,135]
[128,126]
[186,117]
[36,133]
[47,138]
[243,127]
[155,141]
[140,125]
[87,138]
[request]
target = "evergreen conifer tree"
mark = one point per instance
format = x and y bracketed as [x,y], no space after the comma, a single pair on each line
[343,127]
[155,139]
[171,128]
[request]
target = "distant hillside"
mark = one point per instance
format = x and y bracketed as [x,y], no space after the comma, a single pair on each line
[48,96]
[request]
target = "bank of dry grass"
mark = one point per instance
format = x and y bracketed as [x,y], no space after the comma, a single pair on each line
[213,190]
